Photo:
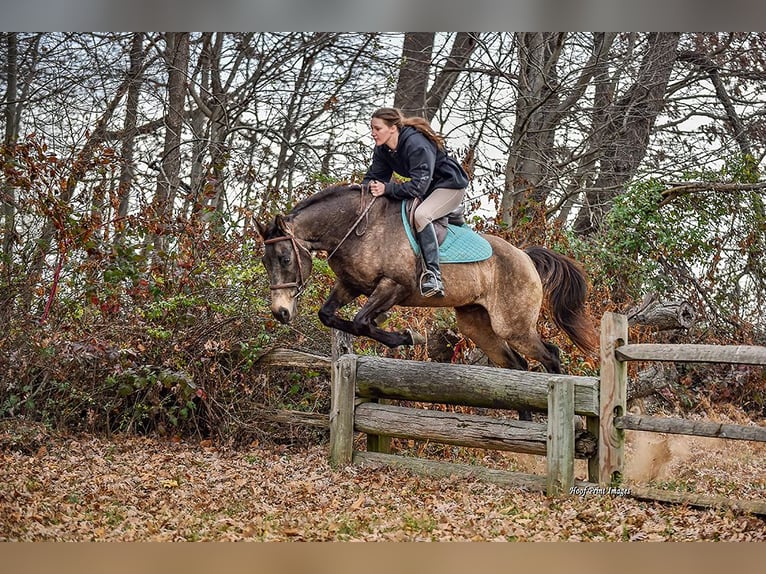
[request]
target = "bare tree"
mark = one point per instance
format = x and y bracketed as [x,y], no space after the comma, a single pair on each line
[628,127]
[544,101]
[413,95]
[177,62]
[128,138]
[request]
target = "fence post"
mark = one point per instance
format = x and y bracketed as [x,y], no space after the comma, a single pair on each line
[612,396]
[561,439]
[342,394]
[342,410]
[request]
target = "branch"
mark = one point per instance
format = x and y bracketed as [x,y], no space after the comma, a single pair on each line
[680,189]
[707,66]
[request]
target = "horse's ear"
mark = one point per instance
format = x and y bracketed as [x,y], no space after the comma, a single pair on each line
[282,224]
[261,229]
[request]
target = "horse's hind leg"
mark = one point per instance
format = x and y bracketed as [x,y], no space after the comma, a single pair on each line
[473,321]
[532,345]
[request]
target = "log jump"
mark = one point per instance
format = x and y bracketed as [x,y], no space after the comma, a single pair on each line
[361,382]
[362,387]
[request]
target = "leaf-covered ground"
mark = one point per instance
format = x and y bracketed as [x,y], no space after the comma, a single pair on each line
[140,489]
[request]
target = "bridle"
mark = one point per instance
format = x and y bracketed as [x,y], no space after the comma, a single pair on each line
[300,285]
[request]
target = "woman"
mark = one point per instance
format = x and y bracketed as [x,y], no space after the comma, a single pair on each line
[411,148]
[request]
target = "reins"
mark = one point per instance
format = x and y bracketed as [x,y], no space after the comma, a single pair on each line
[354,225]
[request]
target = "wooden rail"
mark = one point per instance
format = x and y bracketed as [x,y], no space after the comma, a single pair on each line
[688,427]
[468,385]
[735,354]
[474,431]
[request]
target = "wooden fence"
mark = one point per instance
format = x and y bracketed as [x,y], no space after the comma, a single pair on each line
[362,387]
[616,351]
[362,382]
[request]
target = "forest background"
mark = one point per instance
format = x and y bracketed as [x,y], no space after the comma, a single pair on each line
[134,167]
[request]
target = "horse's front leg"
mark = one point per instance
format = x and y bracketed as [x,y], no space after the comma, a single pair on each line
[340,296]
[387,294]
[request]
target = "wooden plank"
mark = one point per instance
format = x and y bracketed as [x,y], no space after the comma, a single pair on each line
[592,425]
[688,427]
[427,467]
[469,385]
[561,439]
[342,410]
[376,442]
[735,354]
[531,482]
[537,483]
[320,420]
[459,429]
[290,358]
[614,378]
[699,500]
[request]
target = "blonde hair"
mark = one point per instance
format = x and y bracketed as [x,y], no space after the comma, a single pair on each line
[394,117]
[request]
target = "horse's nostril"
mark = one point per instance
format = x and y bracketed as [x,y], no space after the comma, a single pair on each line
[282,315]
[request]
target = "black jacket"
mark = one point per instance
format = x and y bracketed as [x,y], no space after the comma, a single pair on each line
[418,158]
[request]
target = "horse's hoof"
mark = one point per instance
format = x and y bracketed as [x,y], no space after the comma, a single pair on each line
[417,338]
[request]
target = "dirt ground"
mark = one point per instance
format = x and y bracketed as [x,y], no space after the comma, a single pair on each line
[144,489]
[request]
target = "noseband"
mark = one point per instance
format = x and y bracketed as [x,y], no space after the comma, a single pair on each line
[301,283]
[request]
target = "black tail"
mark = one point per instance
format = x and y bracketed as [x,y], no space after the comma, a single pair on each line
[566,288]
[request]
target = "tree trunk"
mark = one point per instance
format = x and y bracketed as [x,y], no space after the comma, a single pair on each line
[628,128]
[413,96]
[663,315]
[412,85]
[129,129]
[651,380]
[177,61]
[7,190]
[531,172]
[214,190]
[527,173]
[11,133]
[464,45]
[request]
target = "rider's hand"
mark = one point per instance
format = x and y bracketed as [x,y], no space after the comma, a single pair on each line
[377,188]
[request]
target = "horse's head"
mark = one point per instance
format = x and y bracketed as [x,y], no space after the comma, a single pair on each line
[288,264]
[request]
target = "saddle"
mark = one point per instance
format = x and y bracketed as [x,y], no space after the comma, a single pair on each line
[455,217]
[458,243]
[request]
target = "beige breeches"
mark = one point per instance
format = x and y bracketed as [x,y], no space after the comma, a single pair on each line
[441,202]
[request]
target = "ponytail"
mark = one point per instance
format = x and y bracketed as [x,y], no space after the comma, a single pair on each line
[394,117]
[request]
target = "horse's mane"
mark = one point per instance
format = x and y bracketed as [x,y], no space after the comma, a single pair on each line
[324,195]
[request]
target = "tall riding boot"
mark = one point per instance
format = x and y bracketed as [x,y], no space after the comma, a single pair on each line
[431,279]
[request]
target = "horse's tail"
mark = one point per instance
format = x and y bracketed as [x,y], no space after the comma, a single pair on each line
[566,287]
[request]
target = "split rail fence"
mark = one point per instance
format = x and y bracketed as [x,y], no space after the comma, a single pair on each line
[363,386]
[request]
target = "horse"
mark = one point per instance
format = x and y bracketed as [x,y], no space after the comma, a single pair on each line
[497,301]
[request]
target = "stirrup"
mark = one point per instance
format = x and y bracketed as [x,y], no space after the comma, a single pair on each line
[437,289]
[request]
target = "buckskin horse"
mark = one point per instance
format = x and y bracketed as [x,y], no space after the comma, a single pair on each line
[497,301]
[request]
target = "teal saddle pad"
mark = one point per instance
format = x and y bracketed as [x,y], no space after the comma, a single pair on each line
[462,244]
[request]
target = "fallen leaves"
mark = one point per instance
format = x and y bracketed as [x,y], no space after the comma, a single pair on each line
[136,489]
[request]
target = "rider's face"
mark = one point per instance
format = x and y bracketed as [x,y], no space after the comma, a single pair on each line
[382,133]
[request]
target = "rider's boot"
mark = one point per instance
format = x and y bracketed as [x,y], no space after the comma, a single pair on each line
[431,279]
